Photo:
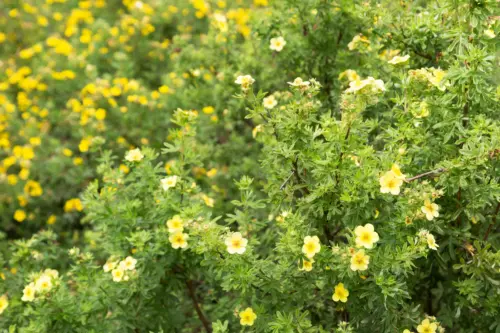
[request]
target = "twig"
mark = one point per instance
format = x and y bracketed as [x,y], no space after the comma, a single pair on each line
[203,319]
[428,173]
[493,222]
[282,187]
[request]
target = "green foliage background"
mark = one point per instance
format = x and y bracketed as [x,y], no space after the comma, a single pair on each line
[164,73]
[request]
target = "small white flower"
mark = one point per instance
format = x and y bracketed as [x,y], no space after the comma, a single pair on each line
[134,155]
[270,102]
[245,81]
[168,182]
[277,44]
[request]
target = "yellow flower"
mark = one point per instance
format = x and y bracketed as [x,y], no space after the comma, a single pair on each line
[207,200]
[245,81]
[489,33]
[277,44]
[29,293]
[407,331]
[211,173]
[247,317]
[270,102]
[73,205]
[366,236]
[399,60]
[208,109]
[19,215]
[125,169]
[43,284]
[4,303]
[430,210]
[168,182]
[118,274]
[427,327]
[128,264]
[389,183]
[307,265]
[84,145]
[431,242]
[340,293]
[178,240]
[175,224]
[397,172]
[236,243]
[311,246]
[134,155]
[256,129]
[51,220]
[109,266]
[360,261]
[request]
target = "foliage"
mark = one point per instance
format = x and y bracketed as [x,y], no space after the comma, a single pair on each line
[249,166]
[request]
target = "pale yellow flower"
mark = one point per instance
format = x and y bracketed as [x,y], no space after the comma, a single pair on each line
[270,102]
[178,240]
[277,44]
[43,284]
[311,246]
[360,261]
[236,243]
[134,155]
[427,327]
[389,183]
[29,293]
[366,236]
[307,265]
[168,182]
[430,210]
[431,242]
[399,60]
[175,224]
[118,274]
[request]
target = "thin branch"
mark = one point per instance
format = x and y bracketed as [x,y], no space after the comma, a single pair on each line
[428,173]
[493,222]
[192,295]
[282,187]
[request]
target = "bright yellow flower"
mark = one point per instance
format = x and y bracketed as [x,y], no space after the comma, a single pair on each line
[175,224]
[247,317]
[340,293]
[430,210]
[236,243]
[311,246]
[366,236]
[178,240]
[73,205]
[360,261]
[51,220]
[19,215]
[4,303]
[427,327]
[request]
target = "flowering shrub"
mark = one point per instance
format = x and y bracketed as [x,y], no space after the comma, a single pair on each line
[249,166]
